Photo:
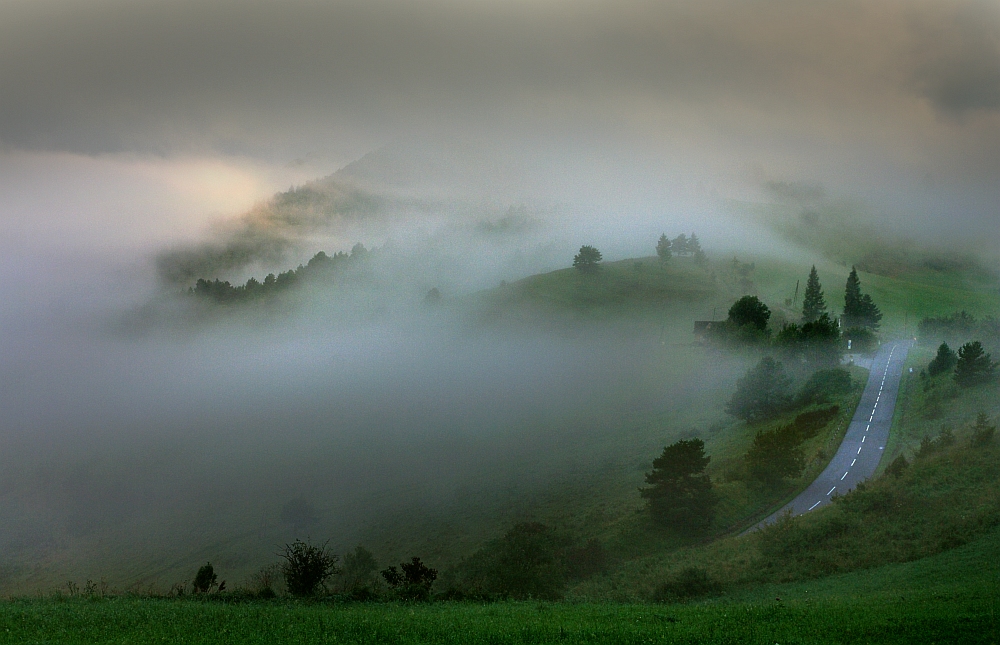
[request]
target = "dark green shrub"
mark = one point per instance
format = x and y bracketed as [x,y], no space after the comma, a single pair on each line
[527,562]
[943,362]
[775,455]
[761,393]
[306,567]
[983,430]
[586,561]
[680,494]
[822,385]
[414,582]
[897,467]
[808,424]
[205,579]
[689,583]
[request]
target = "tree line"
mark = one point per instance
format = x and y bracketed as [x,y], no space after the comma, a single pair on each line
[223,292]
[817,337]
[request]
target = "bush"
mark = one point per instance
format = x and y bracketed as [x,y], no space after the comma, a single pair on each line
[775,455]
[358,571]
[527,562]
[414,583]
[205,579]
[983,430]
[306,567]
[943,362]
[808,424]
[680,493]
[822,385]
[689,583]
[749,311]
[897,467]
[862,340]
[587,560]
[761,393]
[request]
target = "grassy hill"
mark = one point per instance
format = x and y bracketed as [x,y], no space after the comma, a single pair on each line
[576,470]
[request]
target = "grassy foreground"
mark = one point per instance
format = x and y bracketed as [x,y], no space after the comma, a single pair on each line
[948,598]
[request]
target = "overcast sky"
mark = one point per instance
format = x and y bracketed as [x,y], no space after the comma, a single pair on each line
[893,103]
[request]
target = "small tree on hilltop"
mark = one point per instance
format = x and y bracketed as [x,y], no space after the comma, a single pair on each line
[943,362]
[974,365]
[813,302]
[761,393]
[663,249]
[587,260]
[749,310]
[680,245]
[680,493]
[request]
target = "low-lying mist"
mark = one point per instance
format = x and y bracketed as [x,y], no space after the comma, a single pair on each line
[145,430]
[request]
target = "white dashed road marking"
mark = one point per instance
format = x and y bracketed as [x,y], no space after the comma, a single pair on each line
[815,505]
[830,491]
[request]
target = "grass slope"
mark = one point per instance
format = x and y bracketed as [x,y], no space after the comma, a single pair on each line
[948,598]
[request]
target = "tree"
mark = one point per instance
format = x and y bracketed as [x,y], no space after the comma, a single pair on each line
[813,303]
[680,245]
[414,583]
[359,568]
[974,365]
[761,393]
[663,249]
[943,362]
[859,309]
[527,562]
[694,245]
[306,567]
[205,579]
[679,492]
[775,455]
[749,310]
[983,430]
[587,260]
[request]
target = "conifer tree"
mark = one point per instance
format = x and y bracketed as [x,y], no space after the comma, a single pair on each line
[813,303]
[663,248]
[859,309]
[852,294]
[680,493]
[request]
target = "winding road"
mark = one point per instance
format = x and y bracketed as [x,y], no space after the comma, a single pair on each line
[860,452]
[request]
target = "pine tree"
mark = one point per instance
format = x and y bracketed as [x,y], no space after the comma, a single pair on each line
[859,309]
[693,246]
[813,303]
[680,245]
[680,493]
[943,362]
[974,365]
[663,248]
[852,297]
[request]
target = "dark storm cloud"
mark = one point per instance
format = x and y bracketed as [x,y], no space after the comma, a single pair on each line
[260,76]
[962,74]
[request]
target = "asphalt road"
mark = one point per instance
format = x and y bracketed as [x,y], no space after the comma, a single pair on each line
[860,453]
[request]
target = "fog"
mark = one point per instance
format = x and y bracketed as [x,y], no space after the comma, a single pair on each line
[142,146]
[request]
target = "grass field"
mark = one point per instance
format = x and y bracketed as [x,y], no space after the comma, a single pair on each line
[948,598]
